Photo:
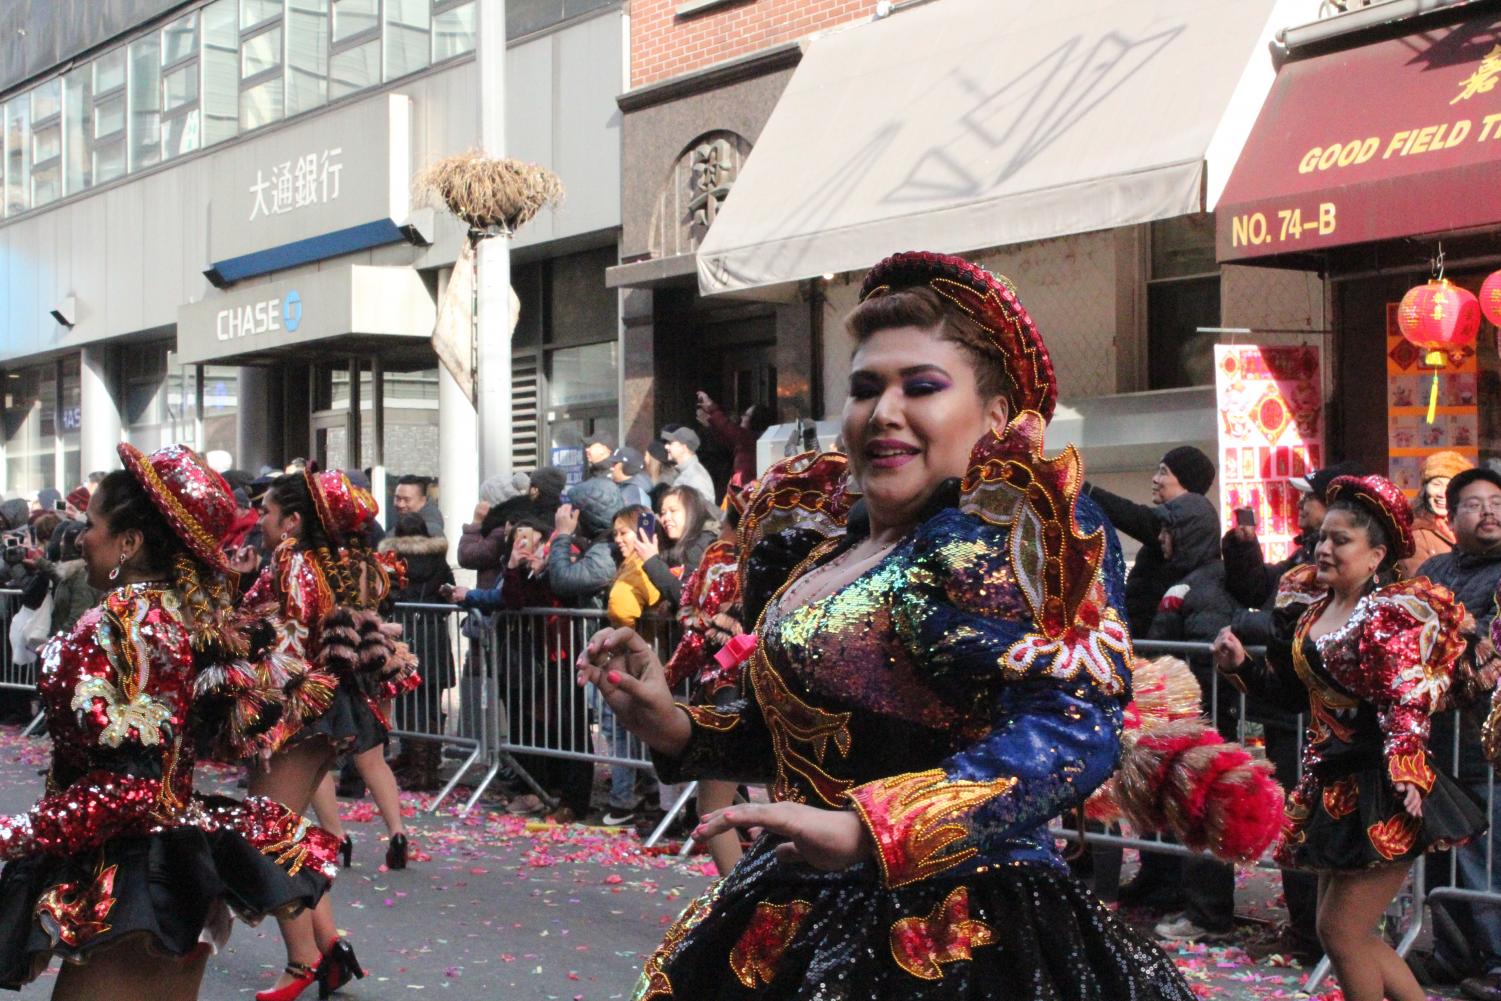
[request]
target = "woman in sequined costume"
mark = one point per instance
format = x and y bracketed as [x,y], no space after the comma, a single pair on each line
[316,602]
[1369,664]
[937,674]
[119,868]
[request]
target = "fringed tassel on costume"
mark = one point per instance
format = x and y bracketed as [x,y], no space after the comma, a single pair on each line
[1177,774]
[251,708]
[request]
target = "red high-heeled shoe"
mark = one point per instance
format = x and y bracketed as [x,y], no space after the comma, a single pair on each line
[337,967]
[303,977]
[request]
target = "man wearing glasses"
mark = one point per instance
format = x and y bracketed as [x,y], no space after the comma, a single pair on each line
[1467,937]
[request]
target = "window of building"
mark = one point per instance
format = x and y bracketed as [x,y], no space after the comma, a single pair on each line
[47,142]
[106,149]
[215,71]
[145,102]
[453,29]
[1183,295]
[18,154]
[180,105]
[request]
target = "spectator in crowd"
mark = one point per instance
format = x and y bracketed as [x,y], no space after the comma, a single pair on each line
[682,449]
[546,491]
[93,480]
[49,500]
[632,595]
[71,593]
[1184,470]
[1251,580]
[1195,609]
[1431,530]
[580,566]
[739,436]
[428,573]
[14,513]
[598,447]
[502,487]
[412,498]
[485,543]
[1467,936]
[686,527]
[658,469]
[628,469]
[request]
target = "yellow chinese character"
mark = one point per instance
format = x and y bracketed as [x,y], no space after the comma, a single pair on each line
[1483,80]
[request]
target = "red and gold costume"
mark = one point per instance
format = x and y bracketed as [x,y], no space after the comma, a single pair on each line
[1369,688]
[712,592]
[956,696]
[319,633]
[119,845]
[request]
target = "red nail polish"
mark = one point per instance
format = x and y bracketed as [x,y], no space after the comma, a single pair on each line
[614,677]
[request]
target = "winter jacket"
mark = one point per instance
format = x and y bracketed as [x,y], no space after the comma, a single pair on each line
[1251,580]
[483,552]
[669,579]
[1474,579]
[1150,575]
[71,593]
[427,567]
[597,500]
[1432,536]
[636,489]
[632,595]
[1195,610]
[580,573]
[692,473]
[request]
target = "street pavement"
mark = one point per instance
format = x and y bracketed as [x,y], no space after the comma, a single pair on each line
[494,909]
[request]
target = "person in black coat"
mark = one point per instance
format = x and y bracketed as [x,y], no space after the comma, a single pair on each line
[1184,470]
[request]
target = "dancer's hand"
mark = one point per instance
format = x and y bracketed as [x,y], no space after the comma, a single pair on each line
[830,840]
[1412,797]
[628,674]
[1229,654]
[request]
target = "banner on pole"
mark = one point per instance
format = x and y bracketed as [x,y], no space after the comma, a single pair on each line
[1271,428]
[453,334]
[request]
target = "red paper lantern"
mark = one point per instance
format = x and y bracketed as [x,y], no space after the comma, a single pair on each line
[1440,319]
[1439,316]
[1490,298]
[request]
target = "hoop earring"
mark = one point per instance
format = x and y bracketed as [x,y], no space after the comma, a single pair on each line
[284,536]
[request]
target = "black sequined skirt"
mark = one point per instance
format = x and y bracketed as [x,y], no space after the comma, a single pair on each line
[350,724]
[168,890]
[1023,932]
[1356,820]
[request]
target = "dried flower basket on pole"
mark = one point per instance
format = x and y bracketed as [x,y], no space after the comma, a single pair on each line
[490,195]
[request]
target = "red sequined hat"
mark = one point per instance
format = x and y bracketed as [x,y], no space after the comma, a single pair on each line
[195,500]
[1383,499]
[342,507]
[992,303]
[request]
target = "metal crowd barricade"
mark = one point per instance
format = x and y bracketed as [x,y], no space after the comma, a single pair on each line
[14,676]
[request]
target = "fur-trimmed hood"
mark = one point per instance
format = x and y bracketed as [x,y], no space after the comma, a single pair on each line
[407,546]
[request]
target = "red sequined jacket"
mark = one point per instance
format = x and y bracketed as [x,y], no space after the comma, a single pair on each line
[120,691]
[713,589]
[1374,681]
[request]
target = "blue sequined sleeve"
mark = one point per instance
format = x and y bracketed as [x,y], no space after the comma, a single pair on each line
[1055,700]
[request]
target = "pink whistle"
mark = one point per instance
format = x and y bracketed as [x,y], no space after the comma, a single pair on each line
[737,651]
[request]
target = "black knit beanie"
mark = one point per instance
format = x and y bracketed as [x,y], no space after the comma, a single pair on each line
[1192,467]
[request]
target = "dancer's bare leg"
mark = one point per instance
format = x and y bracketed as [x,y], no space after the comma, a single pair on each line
[326,806]
[1350,906]
[382,785]
[292,779]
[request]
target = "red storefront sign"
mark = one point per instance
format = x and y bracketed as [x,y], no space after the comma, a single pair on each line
[1397,138]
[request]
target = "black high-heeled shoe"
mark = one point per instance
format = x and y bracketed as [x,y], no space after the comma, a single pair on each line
[346,850]
[338,967]
[396,852]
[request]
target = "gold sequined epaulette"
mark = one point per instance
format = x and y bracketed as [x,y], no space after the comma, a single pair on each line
[809,491]
[1299,586]
[1011,483]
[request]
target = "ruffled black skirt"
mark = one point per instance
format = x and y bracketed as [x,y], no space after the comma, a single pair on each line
[1024,932]
[168,890]
[349,724]
[1357,821]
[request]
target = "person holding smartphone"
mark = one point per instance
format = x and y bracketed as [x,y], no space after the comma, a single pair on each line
[685,528]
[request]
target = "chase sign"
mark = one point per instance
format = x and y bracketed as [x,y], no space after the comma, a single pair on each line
[265,316]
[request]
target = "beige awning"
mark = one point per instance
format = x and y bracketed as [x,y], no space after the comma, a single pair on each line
[966,124]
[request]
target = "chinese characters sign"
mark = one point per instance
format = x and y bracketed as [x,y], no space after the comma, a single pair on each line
[311,179]
[1271,428]
[1409,437]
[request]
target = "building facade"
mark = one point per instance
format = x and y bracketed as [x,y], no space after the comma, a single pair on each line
[211,231]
